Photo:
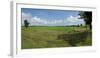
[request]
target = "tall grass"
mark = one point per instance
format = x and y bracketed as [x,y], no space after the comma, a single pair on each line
[54,36]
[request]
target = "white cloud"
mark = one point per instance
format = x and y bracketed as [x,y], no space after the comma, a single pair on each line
[74,20]
[71,20]
[38,21]
[26,16]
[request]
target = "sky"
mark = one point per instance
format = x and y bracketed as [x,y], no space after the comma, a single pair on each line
[50,17]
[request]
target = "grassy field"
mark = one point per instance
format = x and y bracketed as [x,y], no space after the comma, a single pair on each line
[54,36]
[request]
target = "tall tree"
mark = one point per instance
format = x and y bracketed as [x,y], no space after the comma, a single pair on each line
[87,16]
[26,23]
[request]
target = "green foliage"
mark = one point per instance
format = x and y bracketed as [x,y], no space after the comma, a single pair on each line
[26,23]
[87,16]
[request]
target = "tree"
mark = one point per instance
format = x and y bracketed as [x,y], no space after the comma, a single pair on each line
[87,16]
[26,23]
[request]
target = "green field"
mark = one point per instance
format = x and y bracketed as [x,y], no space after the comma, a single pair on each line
[55,36]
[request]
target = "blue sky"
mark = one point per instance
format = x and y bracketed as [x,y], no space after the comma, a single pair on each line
[47,17]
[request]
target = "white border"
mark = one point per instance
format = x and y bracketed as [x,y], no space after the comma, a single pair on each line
[16,37]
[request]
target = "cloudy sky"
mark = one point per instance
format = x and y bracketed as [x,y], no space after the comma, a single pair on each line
[45,17]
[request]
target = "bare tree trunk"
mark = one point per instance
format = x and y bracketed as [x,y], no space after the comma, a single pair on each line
[90,26]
